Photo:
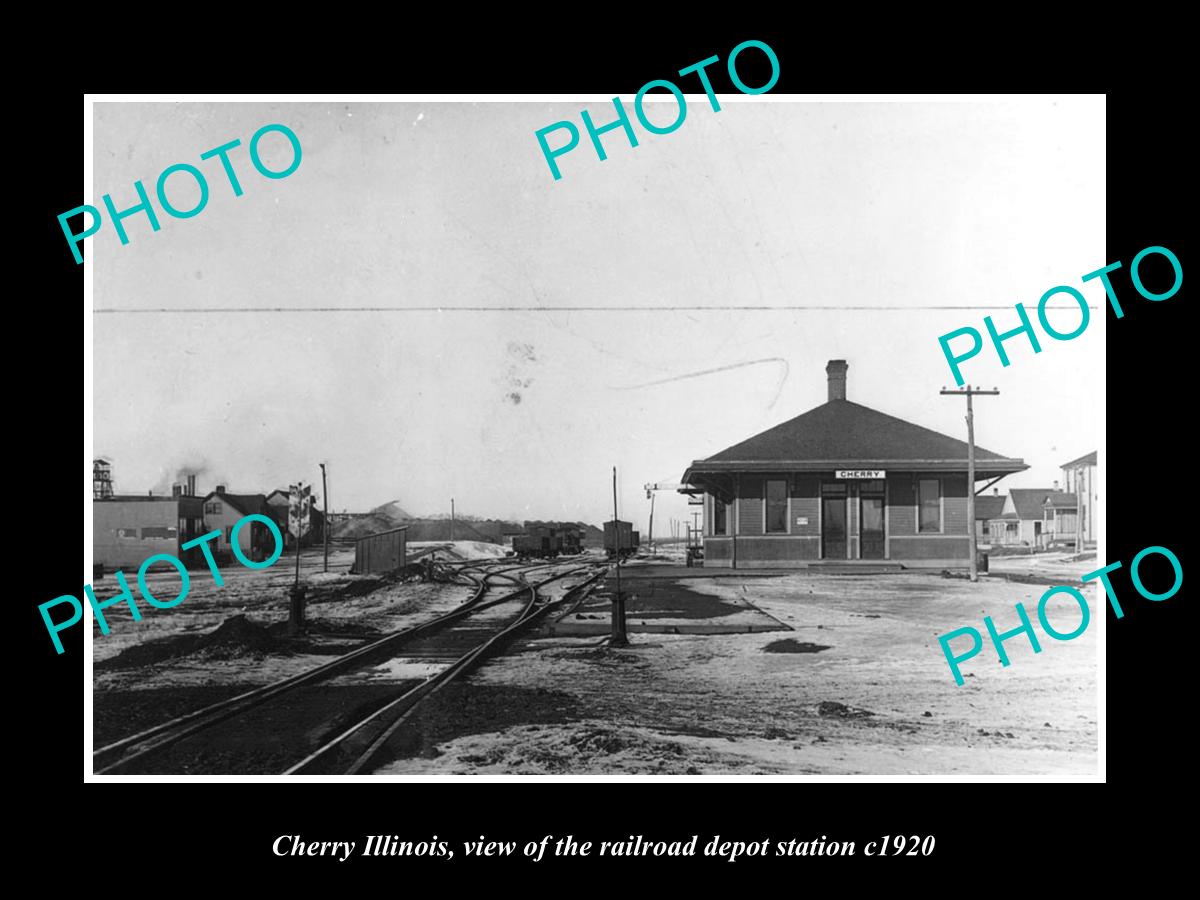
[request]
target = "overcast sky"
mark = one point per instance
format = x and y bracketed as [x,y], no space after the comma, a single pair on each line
[521,413]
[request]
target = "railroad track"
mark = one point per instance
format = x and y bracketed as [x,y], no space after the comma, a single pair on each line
[357,749]
[143,747]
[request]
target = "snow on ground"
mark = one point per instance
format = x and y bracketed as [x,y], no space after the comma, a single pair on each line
[263,597]
[1059,566]
[869,692]
[399,669]
[460,549]
[880,699]
[673,554]
[262,594]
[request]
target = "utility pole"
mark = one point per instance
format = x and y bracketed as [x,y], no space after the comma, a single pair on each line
[325,515]
[1079,510]
[619,638]
[452,518]
[650,496]
[971,392]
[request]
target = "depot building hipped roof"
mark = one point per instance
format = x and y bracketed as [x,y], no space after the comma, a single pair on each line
[841,434]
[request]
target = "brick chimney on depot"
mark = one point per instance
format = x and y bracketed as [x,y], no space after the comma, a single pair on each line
[836,370]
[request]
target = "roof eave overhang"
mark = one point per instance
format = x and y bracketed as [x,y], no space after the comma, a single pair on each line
[983,468]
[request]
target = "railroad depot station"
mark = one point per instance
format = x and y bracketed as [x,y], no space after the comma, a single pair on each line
[841,485]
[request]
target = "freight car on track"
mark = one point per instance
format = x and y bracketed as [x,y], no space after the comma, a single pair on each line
[547,542]
[537,542]
[620,539]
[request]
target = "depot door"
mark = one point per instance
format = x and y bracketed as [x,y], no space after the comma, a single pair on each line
[871,538]
[833,528]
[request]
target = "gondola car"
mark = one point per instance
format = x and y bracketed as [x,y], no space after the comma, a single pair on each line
[570,541]
[538,542]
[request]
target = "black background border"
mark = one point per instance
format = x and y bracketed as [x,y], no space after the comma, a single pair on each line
[977,825]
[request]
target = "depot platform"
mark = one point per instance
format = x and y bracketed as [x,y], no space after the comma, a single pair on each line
[658,601]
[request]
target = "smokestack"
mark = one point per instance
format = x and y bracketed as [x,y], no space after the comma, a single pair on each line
[836,370]
[176,491]
[220,488]
[191,485]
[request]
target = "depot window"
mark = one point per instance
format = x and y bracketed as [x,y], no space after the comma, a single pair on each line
[929,499]
[720,516]
[777,503]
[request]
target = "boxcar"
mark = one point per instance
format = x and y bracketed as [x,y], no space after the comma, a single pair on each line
[619,538]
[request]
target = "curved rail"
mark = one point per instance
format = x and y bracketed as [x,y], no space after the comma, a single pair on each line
[115,756]
[364,741]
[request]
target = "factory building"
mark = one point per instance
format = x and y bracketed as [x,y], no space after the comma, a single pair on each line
[844,485]
[127,529]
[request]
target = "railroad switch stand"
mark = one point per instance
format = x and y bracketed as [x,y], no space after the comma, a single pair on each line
[296,619]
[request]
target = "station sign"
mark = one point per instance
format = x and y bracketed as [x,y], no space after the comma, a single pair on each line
[861,474]
[299,510]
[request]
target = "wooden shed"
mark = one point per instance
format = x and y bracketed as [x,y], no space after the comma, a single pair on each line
[382,552]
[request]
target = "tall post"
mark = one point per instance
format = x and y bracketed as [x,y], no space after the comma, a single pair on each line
[736,513]
[296,587]
[974,541]
[1079,510]
[452,518]
[296,594]
[974,570]
[325,515]
[650,539]
[619,638]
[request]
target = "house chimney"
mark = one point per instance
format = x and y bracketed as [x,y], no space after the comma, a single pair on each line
[836,370]
[220,488]
[1056,485]
[191,485]
[995,492]
[176,491]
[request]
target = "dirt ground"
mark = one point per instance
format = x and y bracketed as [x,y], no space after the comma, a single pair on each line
[858,686]
[864,689]
[150,671]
